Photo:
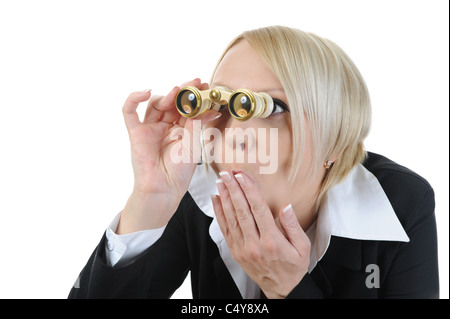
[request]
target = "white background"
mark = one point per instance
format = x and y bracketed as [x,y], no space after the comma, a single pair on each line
[66,68]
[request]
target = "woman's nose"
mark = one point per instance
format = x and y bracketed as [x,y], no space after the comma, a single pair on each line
[240,136]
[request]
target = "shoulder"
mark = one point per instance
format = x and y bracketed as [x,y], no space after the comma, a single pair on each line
[410,195]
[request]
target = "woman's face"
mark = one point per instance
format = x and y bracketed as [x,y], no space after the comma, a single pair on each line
[242,68]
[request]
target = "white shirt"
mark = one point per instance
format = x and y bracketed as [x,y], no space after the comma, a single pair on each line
[356,208]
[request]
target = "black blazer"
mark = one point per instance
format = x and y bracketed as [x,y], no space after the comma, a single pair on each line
[407,269]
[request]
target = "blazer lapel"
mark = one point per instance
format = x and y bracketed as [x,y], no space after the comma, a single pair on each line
[341,251]
[225,285]
[345,252]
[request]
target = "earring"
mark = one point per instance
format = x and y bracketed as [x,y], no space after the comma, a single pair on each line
[327,164]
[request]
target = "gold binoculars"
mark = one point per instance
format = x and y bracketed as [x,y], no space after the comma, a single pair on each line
[242,104]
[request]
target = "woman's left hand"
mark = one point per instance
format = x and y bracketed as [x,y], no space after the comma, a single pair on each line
[276,262]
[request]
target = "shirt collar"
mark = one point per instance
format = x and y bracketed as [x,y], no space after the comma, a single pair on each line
[356,208]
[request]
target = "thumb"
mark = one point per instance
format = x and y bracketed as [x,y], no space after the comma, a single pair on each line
[207,116]
[191,140]
[195,124]
[294,232]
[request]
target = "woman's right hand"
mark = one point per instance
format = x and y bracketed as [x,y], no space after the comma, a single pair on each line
[159,181]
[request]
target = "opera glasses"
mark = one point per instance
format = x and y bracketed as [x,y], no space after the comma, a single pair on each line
[242,104]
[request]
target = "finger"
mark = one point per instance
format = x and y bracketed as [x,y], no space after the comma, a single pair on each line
[294,232]
[152,114]
[195,82]
[159,105]
[204,86]
[168,102]
[182,121]
[167,105]
[230,215]
[280,228]
[259,208]
[164,109]
[241,207]
[192,137]
[129,109]
[171,116]
[218,210]
[194,125]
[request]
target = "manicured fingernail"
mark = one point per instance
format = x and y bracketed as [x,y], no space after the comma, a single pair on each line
[225,176]
[240,179]
[241,172]
[219,181]
[216,117]
[145,91]
[287,211]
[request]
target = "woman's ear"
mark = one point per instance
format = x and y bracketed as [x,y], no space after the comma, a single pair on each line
[330,162]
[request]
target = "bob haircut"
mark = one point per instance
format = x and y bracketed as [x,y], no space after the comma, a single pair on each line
[323,86]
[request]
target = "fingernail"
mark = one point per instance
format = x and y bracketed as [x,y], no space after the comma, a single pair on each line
[219,181]
[145,91]
[240,179]
[216,116]
[225,176]
[242,172]
[287,211]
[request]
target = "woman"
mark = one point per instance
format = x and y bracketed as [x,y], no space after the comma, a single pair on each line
[331,221]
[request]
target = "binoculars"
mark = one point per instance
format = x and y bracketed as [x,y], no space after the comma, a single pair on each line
[243,104]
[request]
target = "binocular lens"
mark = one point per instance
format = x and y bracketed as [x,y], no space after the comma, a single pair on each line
[243,104]
[240,105]
[187,102]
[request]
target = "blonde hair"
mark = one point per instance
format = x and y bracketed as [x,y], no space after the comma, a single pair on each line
[322,84]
